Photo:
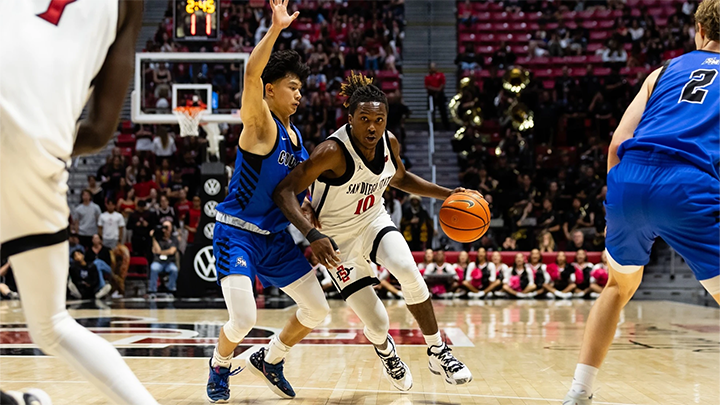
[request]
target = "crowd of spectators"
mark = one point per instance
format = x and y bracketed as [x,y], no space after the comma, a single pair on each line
[333,38]
[546,185]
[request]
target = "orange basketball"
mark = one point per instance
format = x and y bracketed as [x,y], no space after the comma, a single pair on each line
[465,217]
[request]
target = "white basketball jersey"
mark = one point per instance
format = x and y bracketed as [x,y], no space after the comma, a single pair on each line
[349,203]
[50,53]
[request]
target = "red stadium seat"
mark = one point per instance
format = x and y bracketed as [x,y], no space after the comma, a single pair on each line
[387,75]
[534,16]
[502,27]
[599,35]
[543,73]
[484,16]
[520,49]
[485,50]
[390,86]
[586,15]
[594,59]
[485,38]
[483,27]
[590,24]
[672,54]
[540,62]
[602,71]
[465,38]
[602,14]
[594,47]
[576,60]
[606,25]
[548,84]
[125,141]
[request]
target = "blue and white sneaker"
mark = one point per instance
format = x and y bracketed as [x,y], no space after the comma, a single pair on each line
[218,386]
[272,374]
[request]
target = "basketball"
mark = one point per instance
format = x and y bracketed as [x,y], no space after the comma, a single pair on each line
[465,217]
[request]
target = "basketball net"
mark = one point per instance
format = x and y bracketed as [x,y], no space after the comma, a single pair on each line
[189,119]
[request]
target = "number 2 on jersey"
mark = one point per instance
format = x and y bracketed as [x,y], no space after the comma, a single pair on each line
[365,204]
[694,91]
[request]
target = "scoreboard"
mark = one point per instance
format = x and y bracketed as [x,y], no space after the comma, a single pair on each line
[196,20]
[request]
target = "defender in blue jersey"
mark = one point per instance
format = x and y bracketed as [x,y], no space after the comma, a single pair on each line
[250,238]
[663,181]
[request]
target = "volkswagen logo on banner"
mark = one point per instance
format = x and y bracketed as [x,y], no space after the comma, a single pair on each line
[209,230]
[212,187]
[204,264]
[210,208]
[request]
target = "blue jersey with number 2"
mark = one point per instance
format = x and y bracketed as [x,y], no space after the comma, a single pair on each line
[682,115]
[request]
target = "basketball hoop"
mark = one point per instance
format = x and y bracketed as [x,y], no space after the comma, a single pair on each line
[189,119]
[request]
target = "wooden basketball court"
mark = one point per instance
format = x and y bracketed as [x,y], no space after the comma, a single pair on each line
[520,352]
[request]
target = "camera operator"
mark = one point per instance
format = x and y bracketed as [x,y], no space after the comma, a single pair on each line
[164,249]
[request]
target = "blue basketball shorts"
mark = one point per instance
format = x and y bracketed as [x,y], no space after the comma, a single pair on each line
[274,258]
[651,195]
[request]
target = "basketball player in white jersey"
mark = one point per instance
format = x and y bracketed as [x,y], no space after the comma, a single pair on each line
[57,54]
[349,173]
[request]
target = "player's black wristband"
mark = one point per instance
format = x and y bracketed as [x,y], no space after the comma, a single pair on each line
[314,235]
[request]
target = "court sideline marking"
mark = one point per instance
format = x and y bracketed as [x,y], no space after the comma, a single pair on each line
[452,394]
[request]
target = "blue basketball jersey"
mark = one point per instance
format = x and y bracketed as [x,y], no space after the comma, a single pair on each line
[255,179]
[682,115]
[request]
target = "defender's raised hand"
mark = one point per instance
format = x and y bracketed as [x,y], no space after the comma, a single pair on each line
[280,16]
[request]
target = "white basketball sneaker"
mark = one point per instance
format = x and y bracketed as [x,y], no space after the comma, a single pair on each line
[572,398]
[394,369]
[445,364]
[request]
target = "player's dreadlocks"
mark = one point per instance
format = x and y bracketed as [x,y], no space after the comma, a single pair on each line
[359,89]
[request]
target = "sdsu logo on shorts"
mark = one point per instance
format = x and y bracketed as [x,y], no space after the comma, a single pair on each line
[343,273]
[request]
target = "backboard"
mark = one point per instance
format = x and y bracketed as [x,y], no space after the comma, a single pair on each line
[165,80]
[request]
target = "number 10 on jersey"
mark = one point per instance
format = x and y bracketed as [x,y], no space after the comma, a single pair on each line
[365,204]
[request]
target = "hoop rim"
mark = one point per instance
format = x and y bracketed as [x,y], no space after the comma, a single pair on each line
[189,110]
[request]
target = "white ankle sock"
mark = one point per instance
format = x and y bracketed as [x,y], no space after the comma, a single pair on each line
[433,340]
[583,380]
[277,350]
[220,361]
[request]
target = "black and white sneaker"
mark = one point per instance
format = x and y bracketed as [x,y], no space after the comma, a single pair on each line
[32,396]
[442,362]
[394,369]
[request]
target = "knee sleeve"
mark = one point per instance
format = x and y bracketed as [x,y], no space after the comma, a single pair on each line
[240,301]
[368,307]
[394,254]
[47,333]
[310,298]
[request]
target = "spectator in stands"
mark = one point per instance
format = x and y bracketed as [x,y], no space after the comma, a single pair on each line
[599,276]
[440,276]
[182,206]
[562,277]
[164,248]
[468,59]
[549,222]
[577,242]
[8,289]
[554,47]
[165,212]
[127,204]
[131,172]
[84,280]
[163,145]
[397,114]
[74,242]
[576,218]
[636,31]
[541,276]
[144,185]
[578,43]
[100,257]
[546,243]
[164,176]
[504,57]
[193,218]
[461,267]
[96,191]
[519,280]
[190,173]
[85,216]
[162,77]
[435,86]
[416,225]
[143,141]
[141,222]
[111,225]
[583,268]
[481,277]
[428,258]
[393,207]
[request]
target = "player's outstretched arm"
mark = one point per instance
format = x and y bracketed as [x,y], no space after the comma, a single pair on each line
[326,159]
[411,183]
[631,118]
[111,83]
[254,111]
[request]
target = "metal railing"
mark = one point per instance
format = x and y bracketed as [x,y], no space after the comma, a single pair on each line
[431,154]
